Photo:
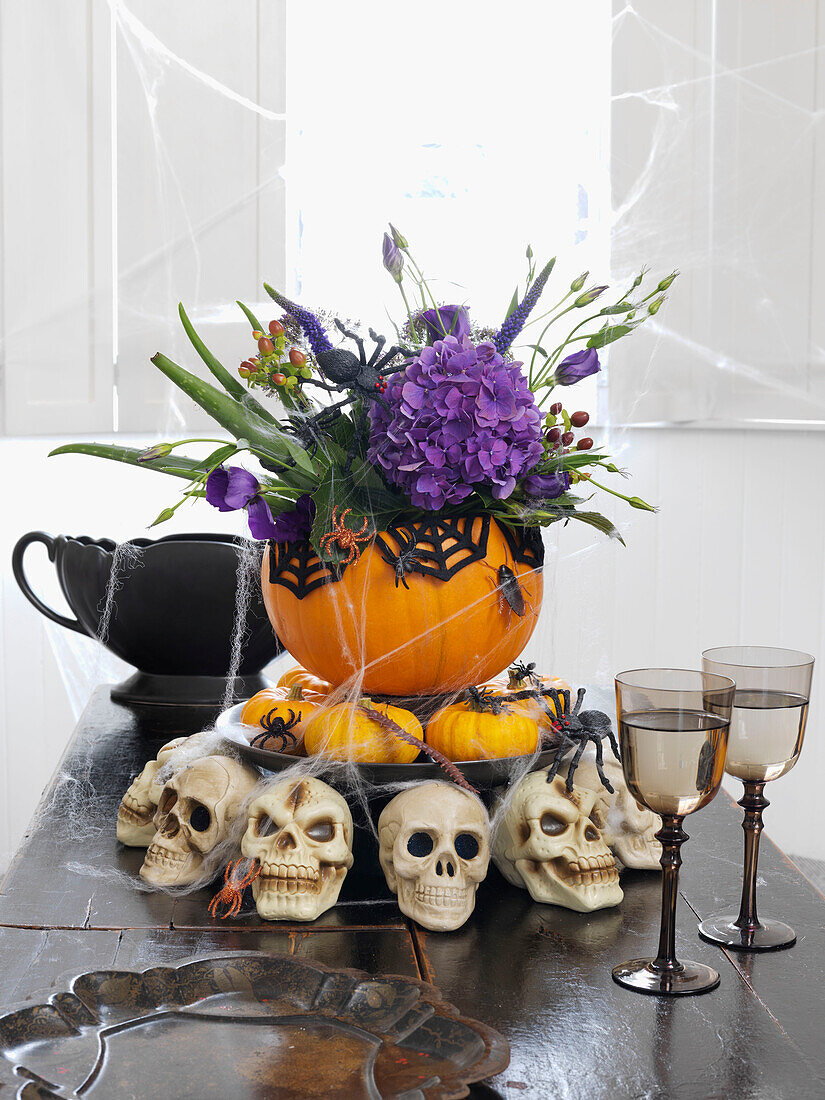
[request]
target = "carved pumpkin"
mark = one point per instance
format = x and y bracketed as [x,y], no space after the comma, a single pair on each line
[356,733]
[277,703]
[422,611]
[300,677]
[467,731]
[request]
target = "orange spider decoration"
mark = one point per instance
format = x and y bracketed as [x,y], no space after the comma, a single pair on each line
[343,538]
[231,893]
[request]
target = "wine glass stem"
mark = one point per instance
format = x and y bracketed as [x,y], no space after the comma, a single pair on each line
[753,802]
[671,836]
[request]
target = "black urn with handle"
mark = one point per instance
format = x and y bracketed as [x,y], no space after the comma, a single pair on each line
[171,612]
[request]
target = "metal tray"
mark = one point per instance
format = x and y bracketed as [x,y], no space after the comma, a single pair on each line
[244,1026]
[484,775]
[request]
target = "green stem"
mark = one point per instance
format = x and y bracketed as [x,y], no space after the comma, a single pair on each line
[409,311]
[635,502]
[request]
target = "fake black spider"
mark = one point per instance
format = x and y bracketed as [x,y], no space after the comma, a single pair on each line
[486,699]
[406,559]
[364,378]
[576,728]
[278,729]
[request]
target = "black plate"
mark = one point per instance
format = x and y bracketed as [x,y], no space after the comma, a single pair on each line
[244,1026]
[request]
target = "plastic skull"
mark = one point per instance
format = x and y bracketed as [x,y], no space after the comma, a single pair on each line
[135,824]
[300,831]
[546,841]
[196,809]
[629,829]
[434,851]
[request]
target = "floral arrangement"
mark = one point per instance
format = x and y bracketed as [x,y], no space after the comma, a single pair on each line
[446,420]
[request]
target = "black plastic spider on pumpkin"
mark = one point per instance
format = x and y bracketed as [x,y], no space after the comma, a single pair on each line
[278,729]
[576,728]
[364,378]
[486,699]
[406,559]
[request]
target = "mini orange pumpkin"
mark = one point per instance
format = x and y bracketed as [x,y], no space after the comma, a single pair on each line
[278,702]
[356,734]
[522,678]
[471,731]
[300,677]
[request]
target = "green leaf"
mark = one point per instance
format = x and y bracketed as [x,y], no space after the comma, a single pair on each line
[511,309]
[600,522]
[229,383]
[174,464]
[220,456]
[539,349]
[610,333]
[253,320]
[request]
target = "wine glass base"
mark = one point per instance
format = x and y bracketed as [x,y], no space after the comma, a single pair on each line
[638,974]
[771,935]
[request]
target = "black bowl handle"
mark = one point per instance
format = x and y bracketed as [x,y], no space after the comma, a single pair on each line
[22,580]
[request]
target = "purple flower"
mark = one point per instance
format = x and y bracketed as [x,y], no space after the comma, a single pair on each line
[393,260]
[446,321]
[516,321]
[229,490]
[546,486]
[310,325]
[459,416]
[579,365]
[295,526]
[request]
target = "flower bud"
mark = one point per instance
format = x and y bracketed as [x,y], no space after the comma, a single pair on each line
[579,365]
[589,296]
[655,305]
[398,238]
[167,513]
[393,260]
[529,252]
[577,284]
[160,450]
[667,281]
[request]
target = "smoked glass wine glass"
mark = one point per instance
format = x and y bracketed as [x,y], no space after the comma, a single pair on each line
[673,734]
[770,708]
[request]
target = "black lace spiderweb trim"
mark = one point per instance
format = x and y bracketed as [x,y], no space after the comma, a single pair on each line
[526,545]
[441,549]
[296,566]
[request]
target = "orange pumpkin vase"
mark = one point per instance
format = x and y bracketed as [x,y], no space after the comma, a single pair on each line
[442,606]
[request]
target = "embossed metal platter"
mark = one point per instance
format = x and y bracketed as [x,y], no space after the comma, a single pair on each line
[243,1026]
[484,775]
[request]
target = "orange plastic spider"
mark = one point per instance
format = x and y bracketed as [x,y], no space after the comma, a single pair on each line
[231,893]
[345,539]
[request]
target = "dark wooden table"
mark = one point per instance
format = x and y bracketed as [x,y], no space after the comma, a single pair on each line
[539,974]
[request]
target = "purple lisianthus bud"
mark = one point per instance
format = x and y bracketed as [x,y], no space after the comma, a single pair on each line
[393,260]
[160,450]
[579,365]
[296,525]
[546,486]
[446,321]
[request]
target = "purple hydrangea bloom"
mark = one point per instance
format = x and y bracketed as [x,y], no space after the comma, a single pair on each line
[459,416]
[296,525]
[310,325]
[546,486]
[446,321]
[517,319]
[229,490]
[577,366]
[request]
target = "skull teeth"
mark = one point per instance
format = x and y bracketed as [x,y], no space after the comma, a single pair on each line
[163,856]
[132,813]
[447,897]
[586,871]
[283,878]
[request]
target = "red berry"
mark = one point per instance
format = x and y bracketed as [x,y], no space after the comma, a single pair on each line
[297,357]
[276,328]
[555,408]
[278,378]
[579,419]
[567,438]
[265,346]
[554,435]
[584,444]
[256,334]
[244,371]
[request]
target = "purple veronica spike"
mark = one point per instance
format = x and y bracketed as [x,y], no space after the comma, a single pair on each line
[516,321]
[310,325]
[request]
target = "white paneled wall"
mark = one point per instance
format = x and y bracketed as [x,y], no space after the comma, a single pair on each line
[734,556]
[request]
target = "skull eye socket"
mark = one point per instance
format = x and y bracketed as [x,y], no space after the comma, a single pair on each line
[167,801]
[264,825]
[552,825]
[591,832]
[420,845]
[321,830]
[466,846]
[200,818]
